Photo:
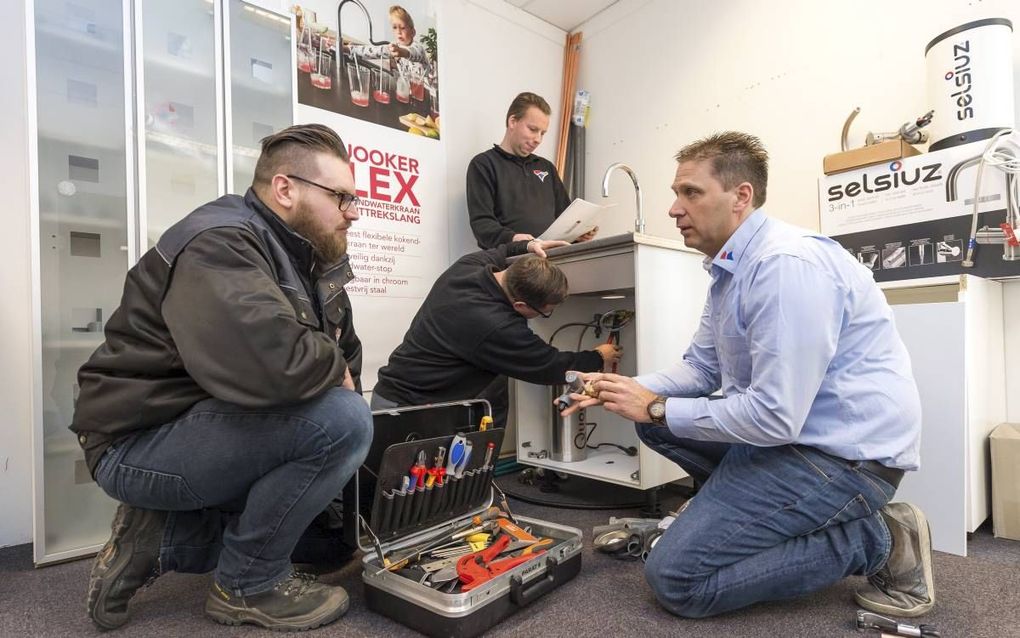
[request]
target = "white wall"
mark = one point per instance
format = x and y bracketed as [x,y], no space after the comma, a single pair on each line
[489,52]
[665,72]
[15,286]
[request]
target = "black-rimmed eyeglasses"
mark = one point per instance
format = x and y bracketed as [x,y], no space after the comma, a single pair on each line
[544,315]
[343,200]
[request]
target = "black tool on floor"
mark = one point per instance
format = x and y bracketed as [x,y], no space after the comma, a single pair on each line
[867,621]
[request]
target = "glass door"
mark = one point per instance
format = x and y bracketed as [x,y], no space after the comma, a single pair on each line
[260,87]
[180,156]
[82,211]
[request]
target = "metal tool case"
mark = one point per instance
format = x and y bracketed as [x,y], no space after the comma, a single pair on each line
[401,520]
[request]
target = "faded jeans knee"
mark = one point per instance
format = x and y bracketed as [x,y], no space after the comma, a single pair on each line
[674,588]
[343,421]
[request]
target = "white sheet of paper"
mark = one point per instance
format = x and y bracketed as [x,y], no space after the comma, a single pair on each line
[580,217]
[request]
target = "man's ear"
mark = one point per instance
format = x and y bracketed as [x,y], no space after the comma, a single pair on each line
[744,197]
[281,190]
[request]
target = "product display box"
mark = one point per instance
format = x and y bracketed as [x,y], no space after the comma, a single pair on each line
[867,155]
[911,218]
[407,527]
[1005,440]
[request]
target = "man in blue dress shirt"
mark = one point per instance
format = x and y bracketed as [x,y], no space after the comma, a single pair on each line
[819,416]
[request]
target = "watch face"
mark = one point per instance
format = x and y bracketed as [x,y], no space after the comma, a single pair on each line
[657,409]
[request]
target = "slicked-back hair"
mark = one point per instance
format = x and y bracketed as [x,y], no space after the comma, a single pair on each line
[735,158]
[523,102]
[536,282]
[293,150]
[405,17]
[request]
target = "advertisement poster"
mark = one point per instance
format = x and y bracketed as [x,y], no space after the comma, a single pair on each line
[399,246]
[385,70]
[911,218]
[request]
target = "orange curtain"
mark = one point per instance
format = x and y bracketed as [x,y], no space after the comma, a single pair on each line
[571,58]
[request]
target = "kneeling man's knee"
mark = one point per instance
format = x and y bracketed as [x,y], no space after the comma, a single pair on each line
[674,589]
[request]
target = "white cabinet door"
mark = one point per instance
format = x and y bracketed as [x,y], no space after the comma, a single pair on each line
[261,84]
[180,159]
[81,210]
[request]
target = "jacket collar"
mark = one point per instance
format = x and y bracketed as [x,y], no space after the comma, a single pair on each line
[298,247]
[515,158]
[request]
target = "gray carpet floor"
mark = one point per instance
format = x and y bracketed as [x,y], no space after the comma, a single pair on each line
[977,596]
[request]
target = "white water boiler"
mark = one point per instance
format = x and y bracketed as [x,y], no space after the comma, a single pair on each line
[970,82]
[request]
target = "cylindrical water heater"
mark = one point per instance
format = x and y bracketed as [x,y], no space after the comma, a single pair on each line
[970,82]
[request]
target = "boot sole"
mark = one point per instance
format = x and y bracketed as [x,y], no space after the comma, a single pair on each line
[924,536]
[99,583]
[226,614]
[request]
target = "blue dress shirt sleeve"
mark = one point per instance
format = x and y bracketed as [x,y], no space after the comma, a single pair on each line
[790,314]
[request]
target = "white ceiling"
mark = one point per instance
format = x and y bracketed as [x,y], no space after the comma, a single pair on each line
[565,14]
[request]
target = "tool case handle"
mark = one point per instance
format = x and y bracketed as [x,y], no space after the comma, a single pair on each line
[523,596]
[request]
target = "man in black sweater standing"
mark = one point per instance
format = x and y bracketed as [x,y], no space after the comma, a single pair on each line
[513,194]
[473,326]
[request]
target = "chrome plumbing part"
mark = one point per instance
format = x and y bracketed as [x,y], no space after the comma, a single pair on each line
[1005,159]
[627,537]
[910,132]
[868,621]
[639,221]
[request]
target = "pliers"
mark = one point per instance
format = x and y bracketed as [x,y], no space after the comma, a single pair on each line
[480,567]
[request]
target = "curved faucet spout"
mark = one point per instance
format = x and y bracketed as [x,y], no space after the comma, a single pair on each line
[368,17]
[639,221]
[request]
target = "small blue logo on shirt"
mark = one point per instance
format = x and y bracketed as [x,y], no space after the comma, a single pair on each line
[726,255]
[541,175]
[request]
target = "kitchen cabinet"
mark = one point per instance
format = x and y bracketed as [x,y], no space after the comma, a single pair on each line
[954,330]
[664,284]
[139,112]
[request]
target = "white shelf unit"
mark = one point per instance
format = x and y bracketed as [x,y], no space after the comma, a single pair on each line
[129,123]
[953,329]
[665,284]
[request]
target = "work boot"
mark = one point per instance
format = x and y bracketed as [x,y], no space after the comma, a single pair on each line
[296,604]
[904,586]
[125,564]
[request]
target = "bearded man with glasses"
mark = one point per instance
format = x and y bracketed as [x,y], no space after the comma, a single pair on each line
[224,408]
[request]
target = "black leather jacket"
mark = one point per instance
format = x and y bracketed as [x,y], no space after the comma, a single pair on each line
[229,304]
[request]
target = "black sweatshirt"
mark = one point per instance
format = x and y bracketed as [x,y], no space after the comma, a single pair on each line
[466,333]
[507,194]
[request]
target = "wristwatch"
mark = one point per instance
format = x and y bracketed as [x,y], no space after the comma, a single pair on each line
[657,410]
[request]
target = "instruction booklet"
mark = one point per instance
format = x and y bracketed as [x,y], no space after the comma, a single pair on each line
[580,217]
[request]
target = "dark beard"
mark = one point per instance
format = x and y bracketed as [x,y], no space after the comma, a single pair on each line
[328,246]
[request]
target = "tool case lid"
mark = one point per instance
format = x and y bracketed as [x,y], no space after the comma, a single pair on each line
[400,434]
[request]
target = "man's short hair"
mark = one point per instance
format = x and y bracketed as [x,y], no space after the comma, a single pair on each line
[536,282]
[405,17]
[523,102]
[293,150]
[735,158]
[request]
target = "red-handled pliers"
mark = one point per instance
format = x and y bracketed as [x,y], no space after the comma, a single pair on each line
[478,568]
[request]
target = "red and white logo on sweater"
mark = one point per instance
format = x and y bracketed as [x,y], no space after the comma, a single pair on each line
[541,175]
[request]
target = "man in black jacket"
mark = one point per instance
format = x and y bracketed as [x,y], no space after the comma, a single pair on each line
[473,325]
[223,410]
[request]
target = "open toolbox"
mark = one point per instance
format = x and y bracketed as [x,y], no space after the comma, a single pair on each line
[439,557]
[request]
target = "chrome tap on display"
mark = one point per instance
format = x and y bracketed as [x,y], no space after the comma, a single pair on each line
[639,221]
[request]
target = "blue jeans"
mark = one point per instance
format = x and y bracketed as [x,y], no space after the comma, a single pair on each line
[240,484]
[768,523]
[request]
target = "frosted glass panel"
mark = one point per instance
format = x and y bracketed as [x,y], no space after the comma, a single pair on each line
[181,157]
[262,94]
[83,239]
